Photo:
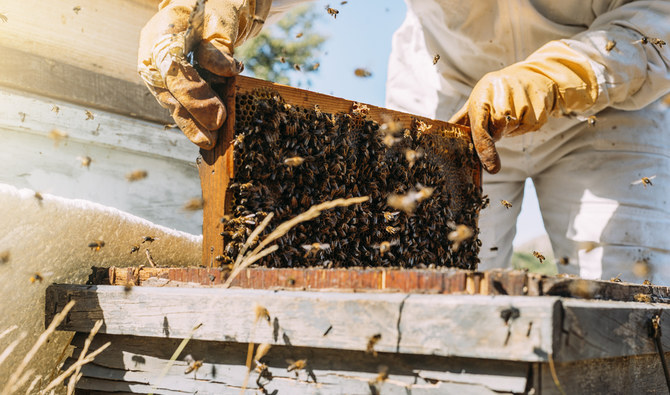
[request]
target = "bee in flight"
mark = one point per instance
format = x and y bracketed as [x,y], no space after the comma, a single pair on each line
[505,203]
[539,256]
[644,181]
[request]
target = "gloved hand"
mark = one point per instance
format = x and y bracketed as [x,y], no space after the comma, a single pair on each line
[175,83]
[554,80]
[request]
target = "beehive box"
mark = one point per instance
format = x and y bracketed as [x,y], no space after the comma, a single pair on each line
[283,150]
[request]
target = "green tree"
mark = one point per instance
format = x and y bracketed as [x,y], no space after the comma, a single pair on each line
[275,52]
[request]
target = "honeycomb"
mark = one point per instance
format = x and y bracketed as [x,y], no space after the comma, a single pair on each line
[288,158]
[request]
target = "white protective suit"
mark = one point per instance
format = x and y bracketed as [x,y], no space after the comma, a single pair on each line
[582,174]
[594,214]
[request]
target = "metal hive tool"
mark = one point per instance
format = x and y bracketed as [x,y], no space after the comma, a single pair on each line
[290,149]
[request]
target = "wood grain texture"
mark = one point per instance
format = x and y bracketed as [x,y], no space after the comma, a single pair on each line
[466,326]
[598,329]
[216,169]
[134,363]
[640,374]
[62,81]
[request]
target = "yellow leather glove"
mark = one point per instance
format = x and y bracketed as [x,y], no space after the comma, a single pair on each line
[175,83]
[554,80]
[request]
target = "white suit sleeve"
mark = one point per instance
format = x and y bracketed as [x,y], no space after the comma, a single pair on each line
[632,74]
[279,7]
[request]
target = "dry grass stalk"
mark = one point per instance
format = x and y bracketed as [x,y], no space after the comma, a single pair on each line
[7,352]
[13,383]
[243,261]
[8,331]
[75,366]
[32,385]
[174,356]
[75,377]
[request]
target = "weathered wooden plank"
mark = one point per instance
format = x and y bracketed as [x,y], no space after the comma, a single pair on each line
[100,36]
[599,329]
[606,290]
[640,374]
[61,81]
[137,362]
[414,324]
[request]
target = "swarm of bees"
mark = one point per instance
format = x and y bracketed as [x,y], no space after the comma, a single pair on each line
[293,157]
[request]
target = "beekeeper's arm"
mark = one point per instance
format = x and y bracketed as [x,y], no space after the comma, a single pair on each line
[581,75]
[196,109]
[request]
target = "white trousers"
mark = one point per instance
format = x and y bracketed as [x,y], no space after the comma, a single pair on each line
[594,214]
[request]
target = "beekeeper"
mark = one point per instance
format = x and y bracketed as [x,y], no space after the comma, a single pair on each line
[563,92]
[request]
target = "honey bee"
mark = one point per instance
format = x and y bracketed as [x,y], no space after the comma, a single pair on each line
[610,45]
[564,261]
[134,248]
[385,246]
[4,257]
[296,67]
[592,120]
[294,161]
[96,245]
[644,40]
[459,234]
[646,282]
[392,230]
[22,115]
[36,277]
[390,216]
[314,248]
[436,58]
[193,204]
[641,268]
[539,256]
[169,126]
[298,35]
[658,42]
[282,59]
[316,66]
[57,135]
[506,204]
[389,126]
[136,175]
[76,9]
[85,161]
[193,364]
[148,239]
[644,181]
[89,115]
[616,279]
[372,341]
[643,298]
[261,312]
[296,365]
[343,2]
[39,197]
[408,202]
[361,72]
[3,18]
[412,156]
[332,11]
[55,108]
[389,140]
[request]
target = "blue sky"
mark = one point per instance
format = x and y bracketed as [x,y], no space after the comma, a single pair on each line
[360,37]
